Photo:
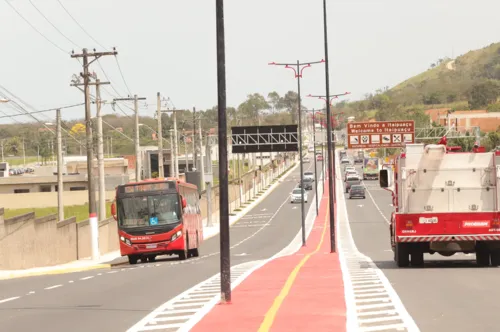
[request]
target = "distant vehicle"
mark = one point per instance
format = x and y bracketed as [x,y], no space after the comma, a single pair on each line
[311,149]
[351,181]
[296,195]
[351,174]
[309,175]
[308,184]
[158,217]
[306,160]
[349,168]
[319,157]
[357,191]
[344,161]
[371,168]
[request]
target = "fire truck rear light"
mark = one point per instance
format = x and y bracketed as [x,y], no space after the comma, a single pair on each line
[428,208]
[409,224]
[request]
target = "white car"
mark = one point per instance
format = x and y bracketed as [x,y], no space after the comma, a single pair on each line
[296,195]
[350,169]
[306,160]
[309,175]
[345,161]
[311,149]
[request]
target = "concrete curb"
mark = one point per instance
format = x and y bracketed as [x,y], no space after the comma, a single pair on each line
[56,271]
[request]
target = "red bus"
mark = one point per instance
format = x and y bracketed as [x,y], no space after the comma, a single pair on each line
[158,217]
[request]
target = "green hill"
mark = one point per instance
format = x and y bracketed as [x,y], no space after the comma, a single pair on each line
[471,81]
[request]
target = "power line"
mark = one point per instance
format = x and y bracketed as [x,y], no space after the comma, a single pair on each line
[121,73]
[77,23]
[34,28]
[43,111]
[46,19]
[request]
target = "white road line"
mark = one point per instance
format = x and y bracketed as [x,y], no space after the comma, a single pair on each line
[112,272]
[71,281]
[86,278]
[32,292]
[353,263]
[9,299]
[52,287]
[377,207]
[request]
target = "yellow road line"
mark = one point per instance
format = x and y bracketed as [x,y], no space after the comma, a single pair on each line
[278,301]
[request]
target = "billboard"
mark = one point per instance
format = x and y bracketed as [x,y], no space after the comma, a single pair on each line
[380,134]
[252,139]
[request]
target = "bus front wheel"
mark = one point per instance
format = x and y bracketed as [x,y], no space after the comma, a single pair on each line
[132,259]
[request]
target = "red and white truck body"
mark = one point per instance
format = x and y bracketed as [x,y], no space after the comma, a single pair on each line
[445,202]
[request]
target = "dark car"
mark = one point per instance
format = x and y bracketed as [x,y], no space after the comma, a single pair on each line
[351,181]
[357,191]
[308,184]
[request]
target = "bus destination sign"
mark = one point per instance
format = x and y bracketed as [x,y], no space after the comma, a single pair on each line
[153,186]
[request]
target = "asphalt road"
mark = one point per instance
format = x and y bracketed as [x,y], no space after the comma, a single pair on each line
[448,294]
[115,299]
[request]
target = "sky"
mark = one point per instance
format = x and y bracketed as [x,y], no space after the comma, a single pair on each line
[169,47]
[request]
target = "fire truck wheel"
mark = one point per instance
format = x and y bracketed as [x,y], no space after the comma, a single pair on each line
[183,255]
[132,259]
[495,257]
[417,258]
[152,259]
[402,255]
[482,254]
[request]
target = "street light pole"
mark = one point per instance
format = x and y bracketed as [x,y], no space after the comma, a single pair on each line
[330,151]
[298,68]
[225,262]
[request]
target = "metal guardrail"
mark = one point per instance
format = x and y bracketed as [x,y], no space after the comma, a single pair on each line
[439,132]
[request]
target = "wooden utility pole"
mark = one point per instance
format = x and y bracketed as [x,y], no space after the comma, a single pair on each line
[60,164]
[94,226]
[138,160]
[159,137]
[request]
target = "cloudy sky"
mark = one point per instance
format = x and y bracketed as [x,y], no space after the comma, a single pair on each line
[169,46]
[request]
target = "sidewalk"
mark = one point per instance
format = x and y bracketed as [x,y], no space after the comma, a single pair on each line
[301,292]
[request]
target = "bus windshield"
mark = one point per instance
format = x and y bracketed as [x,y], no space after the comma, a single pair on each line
[143,211]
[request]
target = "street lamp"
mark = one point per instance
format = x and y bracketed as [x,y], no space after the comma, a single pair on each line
[298,69]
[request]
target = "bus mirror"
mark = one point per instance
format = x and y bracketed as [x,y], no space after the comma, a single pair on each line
[113,210]
[384,178]
[184,202]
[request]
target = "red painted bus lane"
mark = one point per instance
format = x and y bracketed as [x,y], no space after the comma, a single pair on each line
[301,292]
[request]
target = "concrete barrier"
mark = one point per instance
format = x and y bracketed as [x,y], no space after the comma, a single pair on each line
[28,242]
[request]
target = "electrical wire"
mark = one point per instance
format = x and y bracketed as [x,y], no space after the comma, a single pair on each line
[34,28]
[43,111]
[77,23]
[46,19]
[121,73]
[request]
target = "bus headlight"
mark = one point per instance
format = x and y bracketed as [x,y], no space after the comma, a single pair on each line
[126,241]
[176,236]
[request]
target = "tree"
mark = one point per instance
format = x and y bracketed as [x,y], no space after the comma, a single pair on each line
[14,146]
[251,109]
[275,101]
[483,94]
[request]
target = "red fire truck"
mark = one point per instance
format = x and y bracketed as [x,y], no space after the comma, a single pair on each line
[158,217]
[445,202]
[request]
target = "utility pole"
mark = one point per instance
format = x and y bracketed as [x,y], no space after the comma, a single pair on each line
[24,154]
[175,146]
[94,226]
[161,172]
[138,161]
[60,185]
[186,154]
[202,162]
[100,147]
[100,153]
[195,156]
[1,142]
[172,165]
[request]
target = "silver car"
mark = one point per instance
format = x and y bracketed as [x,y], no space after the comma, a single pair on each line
[296,196]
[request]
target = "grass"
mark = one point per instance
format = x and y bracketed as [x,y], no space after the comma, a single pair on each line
[81,212]
[18,161]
